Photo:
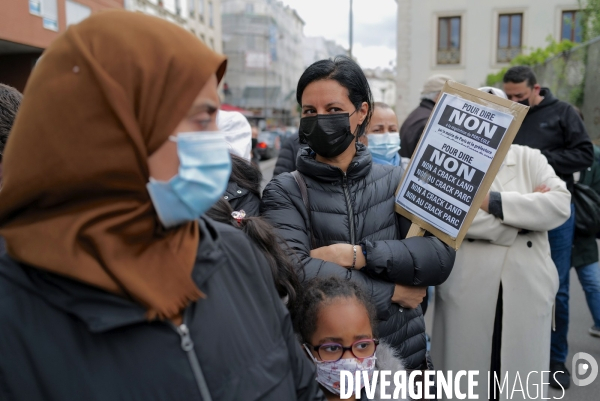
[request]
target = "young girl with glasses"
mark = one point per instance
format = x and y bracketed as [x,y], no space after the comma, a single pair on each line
[336,324]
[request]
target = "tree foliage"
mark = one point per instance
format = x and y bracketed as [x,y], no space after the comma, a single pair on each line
[590,20]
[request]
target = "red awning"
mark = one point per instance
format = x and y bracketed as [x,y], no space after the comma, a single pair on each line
[230,107]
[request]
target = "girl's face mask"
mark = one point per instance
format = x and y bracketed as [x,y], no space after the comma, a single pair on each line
[328,372]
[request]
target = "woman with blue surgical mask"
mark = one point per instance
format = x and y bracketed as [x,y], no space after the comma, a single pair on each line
[119,287]
[383,138]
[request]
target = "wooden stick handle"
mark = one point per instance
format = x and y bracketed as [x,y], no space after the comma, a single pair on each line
[415,231]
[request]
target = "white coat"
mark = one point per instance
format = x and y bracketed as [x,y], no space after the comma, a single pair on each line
[496,253]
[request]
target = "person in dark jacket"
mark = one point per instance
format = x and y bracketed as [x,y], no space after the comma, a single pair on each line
[553,127]
[114,287]
[350,229]
[286,162]
[585,251]
[243,189]
[412,128]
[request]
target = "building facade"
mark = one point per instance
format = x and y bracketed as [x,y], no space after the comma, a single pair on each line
[201,17]
[317,48]
[383,85]
[28,27]
[263,41]
[468,39]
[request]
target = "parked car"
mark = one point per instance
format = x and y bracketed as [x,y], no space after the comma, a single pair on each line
[268,145]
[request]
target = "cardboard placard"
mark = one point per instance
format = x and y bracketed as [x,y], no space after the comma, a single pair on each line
[456,160]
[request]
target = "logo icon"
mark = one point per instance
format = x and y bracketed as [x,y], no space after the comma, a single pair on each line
[580,366]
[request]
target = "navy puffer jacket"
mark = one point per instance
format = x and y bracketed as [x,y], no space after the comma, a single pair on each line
[358,208]
[286,161]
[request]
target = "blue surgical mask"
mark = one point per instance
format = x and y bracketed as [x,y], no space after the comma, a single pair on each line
[384,146]
[204,169]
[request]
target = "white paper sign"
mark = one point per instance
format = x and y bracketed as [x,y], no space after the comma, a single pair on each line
[453,157]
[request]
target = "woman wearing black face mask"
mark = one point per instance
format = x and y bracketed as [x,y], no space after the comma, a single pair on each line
[346,225]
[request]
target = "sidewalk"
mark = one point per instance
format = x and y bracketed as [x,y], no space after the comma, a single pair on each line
[580,341]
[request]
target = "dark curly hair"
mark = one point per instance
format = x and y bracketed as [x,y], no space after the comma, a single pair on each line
[10,100]
[272,246]
[319,292]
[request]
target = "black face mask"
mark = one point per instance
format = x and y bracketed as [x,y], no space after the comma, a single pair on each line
[328,135]
[524,102]
[254,142]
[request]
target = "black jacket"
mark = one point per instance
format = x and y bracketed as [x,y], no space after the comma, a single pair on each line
[554,127]
[413,127]
[242,199]
[243,189]
[286,162]
[63,340]
[358,208]
[585,248]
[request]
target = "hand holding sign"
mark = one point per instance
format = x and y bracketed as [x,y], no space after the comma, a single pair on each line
[462,148]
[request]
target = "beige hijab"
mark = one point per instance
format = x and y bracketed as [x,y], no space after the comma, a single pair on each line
[104,96]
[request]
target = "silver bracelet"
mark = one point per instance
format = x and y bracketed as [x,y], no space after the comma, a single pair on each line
[354,258]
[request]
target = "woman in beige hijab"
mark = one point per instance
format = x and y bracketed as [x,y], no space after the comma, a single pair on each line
[114,287]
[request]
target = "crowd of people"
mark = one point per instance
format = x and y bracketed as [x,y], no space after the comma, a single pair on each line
[141,260]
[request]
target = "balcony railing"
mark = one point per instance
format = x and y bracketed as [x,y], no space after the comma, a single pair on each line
[451,56]
[506,54]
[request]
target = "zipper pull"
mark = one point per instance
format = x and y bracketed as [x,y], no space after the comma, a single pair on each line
[186,340]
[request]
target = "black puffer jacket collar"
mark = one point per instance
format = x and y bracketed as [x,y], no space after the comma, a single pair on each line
[359,168]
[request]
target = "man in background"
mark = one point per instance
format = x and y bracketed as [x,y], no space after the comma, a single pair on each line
[413,126]
[553,127]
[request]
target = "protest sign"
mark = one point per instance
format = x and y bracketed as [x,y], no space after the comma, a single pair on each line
[460,152]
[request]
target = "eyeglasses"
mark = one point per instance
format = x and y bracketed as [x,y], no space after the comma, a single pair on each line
[332,352]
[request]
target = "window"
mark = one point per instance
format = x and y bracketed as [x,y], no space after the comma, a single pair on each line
[571,26]
[178,7]
[510,33]
[76,12]
[251,42]
[201,10]
[249,8]
[211,22]
[448,51]
[192,7]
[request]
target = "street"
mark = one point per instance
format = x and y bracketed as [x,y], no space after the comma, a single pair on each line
[267,167]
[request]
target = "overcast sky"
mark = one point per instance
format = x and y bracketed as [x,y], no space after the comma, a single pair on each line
[374,26]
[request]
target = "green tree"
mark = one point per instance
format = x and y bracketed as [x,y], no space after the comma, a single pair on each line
[534,57]
[590,20]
